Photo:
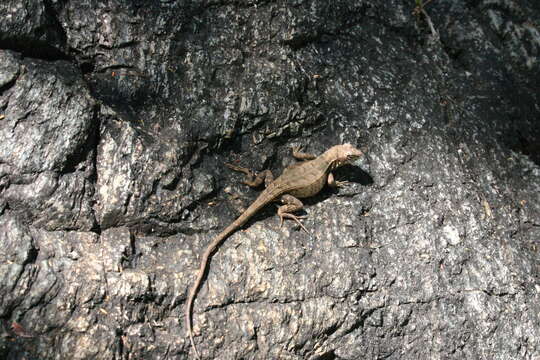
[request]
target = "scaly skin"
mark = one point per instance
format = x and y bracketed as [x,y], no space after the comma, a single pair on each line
[297,181]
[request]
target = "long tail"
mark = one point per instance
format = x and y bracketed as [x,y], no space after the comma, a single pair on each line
[198,281]
[264,198]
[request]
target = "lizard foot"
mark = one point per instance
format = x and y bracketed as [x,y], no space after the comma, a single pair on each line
[239,169]
[297,148]
[341,183]
[293,217]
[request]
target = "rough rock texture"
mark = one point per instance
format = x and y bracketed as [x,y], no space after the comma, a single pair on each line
[116,118]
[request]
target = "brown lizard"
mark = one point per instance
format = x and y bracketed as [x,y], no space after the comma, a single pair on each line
[299,180]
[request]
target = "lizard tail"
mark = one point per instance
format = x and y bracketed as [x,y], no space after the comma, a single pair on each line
[190,331]
[189,304]
[197,284]
[262,200]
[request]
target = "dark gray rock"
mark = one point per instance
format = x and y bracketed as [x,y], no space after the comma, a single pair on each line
[116,119]
[48,143]
[32,27]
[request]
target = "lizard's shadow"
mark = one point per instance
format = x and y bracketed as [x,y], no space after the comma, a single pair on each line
[353,174]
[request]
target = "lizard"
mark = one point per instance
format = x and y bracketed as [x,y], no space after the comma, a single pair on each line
[300,180]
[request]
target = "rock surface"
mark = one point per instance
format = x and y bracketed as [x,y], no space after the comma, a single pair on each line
[116,119]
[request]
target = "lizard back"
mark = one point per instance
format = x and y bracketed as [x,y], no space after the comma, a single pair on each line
[305,179]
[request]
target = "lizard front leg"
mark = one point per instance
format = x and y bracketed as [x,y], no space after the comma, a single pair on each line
[299,155]
[253,180]
[332,182]
[291,204]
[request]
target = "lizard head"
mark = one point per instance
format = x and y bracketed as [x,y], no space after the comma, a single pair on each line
[344,154]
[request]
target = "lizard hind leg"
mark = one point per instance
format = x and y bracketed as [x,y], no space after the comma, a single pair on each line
[253,180]
[291,204]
